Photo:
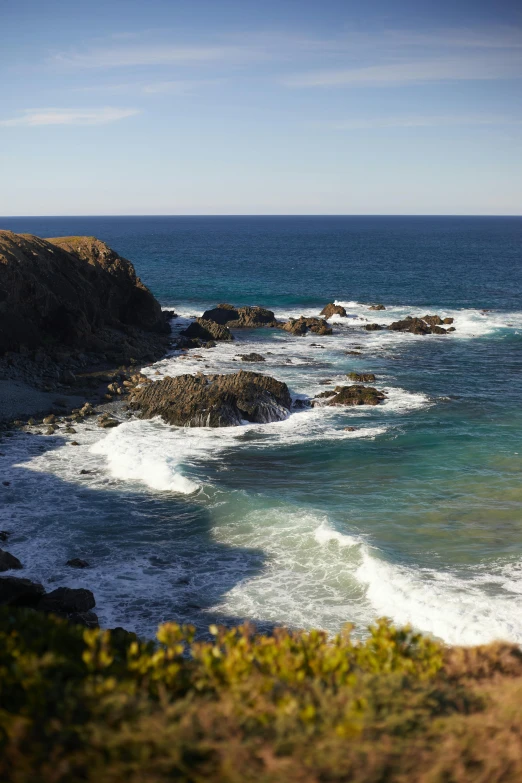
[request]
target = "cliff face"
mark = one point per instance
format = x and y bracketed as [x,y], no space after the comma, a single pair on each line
[75,292]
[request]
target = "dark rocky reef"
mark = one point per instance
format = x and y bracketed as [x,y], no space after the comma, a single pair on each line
[362,377]
[426,325]
[352,395]
[252,357]
[300,326]
[333,309]
[207,330]
[253,317]
[214,400]
[74,605]
[75,293]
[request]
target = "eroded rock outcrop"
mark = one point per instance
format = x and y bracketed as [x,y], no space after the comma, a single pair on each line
[362,377]
[75,292]
[207,330]
[214,400]
[426,325]
[333,309]
[300,326]
[353,395]
[249,317]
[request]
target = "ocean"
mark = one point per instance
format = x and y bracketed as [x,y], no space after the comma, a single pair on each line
[416,514]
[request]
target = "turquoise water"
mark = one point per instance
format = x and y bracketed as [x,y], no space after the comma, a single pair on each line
[417,514]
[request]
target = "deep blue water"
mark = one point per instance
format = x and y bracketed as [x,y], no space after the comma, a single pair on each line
[416,515]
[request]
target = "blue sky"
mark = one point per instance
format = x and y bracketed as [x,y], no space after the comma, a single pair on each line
[288,107]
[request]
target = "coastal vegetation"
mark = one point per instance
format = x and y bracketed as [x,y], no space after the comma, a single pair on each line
[91,705]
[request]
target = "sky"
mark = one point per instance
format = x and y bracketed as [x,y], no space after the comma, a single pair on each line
[179,107]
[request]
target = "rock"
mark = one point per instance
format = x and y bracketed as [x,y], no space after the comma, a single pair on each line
[325,381]
[333,309]
[363,377]
[373,327]
[67,600]
[106,421]
[447,321]
[451,329]
[356,395]
[6,483]
[241,317]
[49,419]
[70,430]
[204,329]
[87,619]
[74,443]
[19,592]
[302,325]
[75,292]
[214,400]
[8,561]
[349,429]
[409,324]
[432,320]
[353,353]
[323,394]
[377,307]
[252,357]
[301,404]
[4,535]
[76,562]
[51,430]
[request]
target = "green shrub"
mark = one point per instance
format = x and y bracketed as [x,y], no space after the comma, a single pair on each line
[91,705]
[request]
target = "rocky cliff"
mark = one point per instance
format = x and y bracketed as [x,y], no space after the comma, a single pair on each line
[77,293]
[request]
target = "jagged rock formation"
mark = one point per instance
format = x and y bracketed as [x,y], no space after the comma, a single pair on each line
[362,377]
[75,293]
[300,326]
[241,317]
[207,330]
[352,395]
[214,400]
[333,309]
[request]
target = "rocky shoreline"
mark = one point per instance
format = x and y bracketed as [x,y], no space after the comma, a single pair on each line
[77,327]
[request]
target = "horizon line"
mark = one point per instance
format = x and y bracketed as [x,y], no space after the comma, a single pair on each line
[266,214]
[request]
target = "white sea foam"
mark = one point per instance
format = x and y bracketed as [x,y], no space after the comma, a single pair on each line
[468,323]
[456,609]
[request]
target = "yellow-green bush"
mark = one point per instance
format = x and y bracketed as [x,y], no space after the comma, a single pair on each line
[84,705]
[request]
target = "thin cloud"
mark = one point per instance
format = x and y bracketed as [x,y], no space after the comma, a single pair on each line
[37,117]
[416,71]
[125,56]
[422,122]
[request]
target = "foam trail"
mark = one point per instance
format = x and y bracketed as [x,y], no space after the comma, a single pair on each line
[457,610]
[134,458]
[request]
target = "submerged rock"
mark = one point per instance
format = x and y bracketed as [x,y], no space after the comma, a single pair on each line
[373,327]
[377,307]
[214,400]
[300,326]
[362,377]
[252,357]
[8,561]
[356,395]
[77,562]
[207,330]
[333,309]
